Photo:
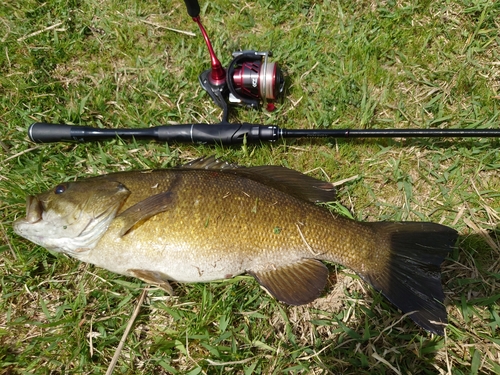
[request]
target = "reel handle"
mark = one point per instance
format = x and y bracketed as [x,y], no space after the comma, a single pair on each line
[193,8]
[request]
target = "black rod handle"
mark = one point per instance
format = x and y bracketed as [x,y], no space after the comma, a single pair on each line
[223,133]
[193,8]
[41,132]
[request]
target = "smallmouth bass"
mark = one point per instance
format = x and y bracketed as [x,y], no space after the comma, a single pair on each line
[209,220]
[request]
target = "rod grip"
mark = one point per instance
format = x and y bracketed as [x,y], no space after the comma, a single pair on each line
[193,7]
[41,132]
[224,133]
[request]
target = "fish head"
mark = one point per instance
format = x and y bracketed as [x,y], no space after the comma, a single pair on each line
[73,216]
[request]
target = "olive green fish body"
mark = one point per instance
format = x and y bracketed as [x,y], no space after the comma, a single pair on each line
[219,225]
[210,220]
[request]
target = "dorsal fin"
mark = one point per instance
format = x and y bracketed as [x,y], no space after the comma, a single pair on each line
[286,180]
[209,162]
[291,182]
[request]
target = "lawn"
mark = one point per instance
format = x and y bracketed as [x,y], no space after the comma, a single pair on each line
[362,65]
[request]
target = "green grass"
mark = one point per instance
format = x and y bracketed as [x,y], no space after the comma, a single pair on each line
[363,64]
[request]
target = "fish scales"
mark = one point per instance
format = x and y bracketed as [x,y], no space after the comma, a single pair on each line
[209,220]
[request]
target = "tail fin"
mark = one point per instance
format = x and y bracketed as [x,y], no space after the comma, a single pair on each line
[412,280]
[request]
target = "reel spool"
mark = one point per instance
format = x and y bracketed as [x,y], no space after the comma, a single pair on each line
[251,80]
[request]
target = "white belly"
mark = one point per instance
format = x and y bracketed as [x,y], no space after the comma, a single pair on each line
[179,262]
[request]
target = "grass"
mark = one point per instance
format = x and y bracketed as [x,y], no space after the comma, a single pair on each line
[364,64]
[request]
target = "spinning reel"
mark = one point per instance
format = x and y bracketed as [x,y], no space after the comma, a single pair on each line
[249,79]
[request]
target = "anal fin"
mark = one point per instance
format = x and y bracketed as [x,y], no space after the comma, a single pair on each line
[295,283]
[153,277]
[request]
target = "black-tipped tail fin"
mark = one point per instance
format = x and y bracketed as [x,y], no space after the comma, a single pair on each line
[412,279]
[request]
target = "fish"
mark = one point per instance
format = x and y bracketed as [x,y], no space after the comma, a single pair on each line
[209,220]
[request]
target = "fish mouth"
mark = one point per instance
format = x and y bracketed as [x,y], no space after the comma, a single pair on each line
[34,209]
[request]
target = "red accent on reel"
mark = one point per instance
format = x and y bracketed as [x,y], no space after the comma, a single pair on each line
[217,74]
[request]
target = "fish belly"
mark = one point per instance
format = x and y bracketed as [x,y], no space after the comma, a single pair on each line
[190,259]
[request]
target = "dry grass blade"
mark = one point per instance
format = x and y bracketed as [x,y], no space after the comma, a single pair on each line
[482,233]
[21,153]
[51,27]
[130,323]
[169,28]
[243,361]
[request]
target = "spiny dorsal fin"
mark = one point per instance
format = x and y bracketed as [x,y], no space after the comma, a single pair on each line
[286,180]
[143,210]
[296,283]
[209,162]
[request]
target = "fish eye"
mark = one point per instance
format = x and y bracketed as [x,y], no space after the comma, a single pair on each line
[60,189]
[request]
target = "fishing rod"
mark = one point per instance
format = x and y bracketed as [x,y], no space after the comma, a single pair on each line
[231,134]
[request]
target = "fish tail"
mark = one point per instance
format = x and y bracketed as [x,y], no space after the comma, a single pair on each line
[411,278]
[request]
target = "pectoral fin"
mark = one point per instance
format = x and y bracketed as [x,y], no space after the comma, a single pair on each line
[153,277]
[143,210]
[296,283]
